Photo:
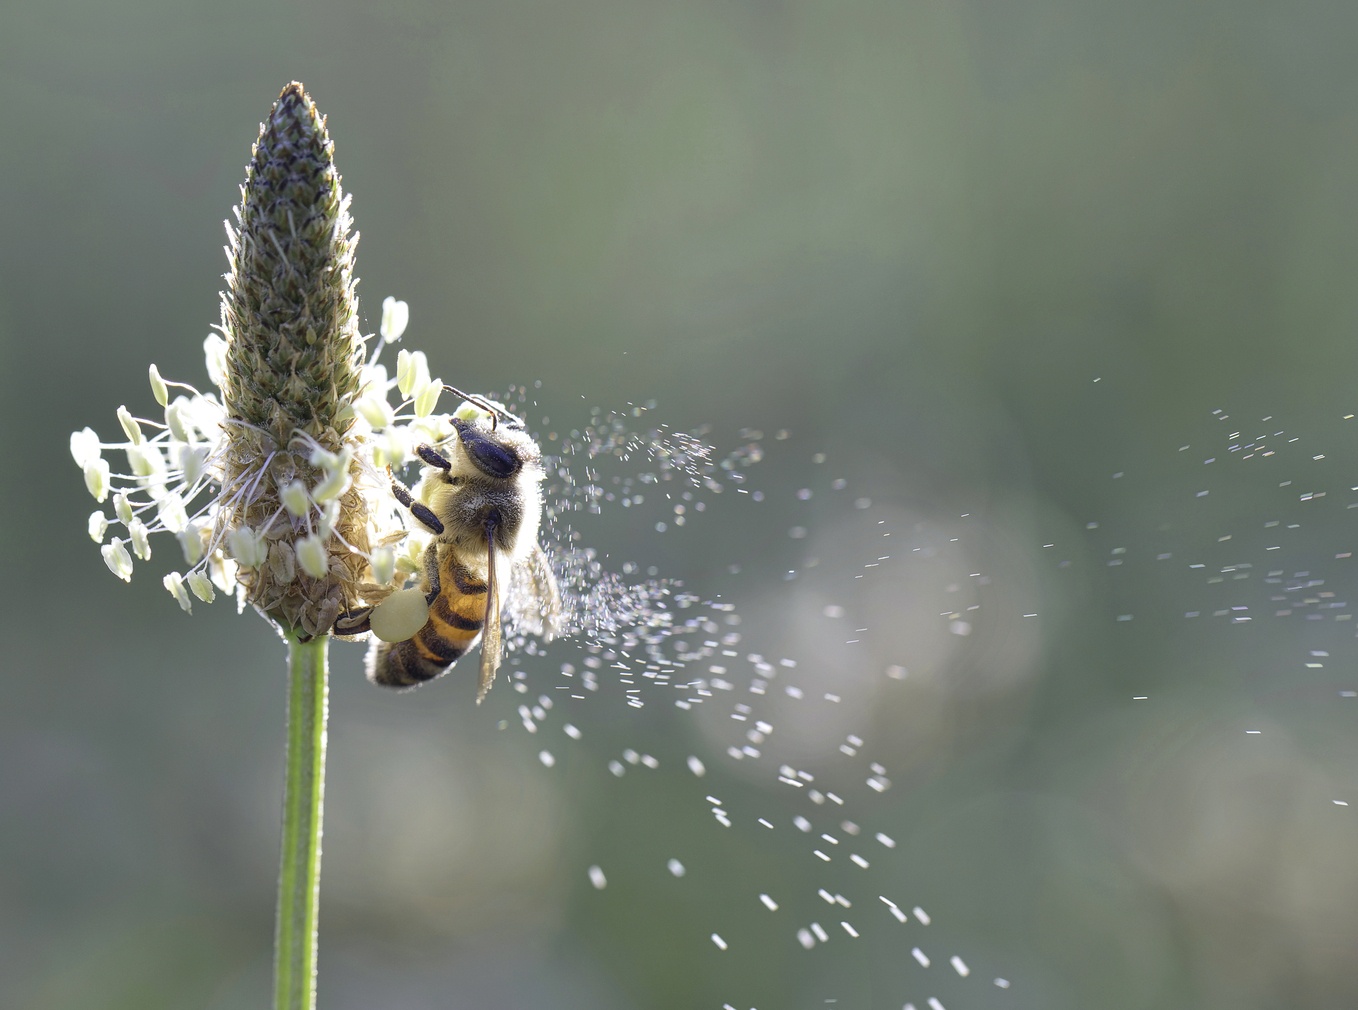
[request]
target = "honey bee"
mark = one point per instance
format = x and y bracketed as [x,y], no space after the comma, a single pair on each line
[480,499]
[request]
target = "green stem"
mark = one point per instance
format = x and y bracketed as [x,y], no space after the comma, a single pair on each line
[303,803]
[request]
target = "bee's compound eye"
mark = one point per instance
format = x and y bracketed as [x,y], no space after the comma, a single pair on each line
[494,460]
[399,616]
[490,457]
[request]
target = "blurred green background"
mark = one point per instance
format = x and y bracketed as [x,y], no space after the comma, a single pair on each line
[912,234]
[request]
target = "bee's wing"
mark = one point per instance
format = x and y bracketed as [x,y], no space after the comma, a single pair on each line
[491,642]
[534,597]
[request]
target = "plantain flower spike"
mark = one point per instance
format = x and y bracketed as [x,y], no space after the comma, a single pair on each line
[294,361]
[275,483]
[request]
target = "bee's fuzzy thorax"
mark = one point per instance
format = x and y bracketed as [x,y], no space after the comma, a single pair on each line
[463,504]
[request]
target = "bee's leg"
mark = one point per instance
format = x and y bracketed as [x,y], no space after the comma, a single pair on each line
[431,574]
[353,622]
[433,457]
[418,509]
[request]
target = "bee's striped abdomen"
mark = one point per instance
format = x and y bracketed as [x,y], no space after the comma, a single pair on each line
[456,619]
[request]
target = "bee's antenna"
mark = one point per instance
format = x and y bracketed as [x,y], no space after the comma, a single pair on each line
[495,412]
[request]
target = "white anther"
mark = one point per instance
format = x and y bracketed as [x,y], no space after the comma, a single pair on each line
[145,460]
[97,476]
[312,556]
[200,586]
[130,426]
[118,560]
[172,513]
[158,388]
[98,526]
[412,372]
[375,410]
[191,543]
[395,318]
[427,398]
[329,516]
[214,352]
[84,446]
[174,582]
[324,459]
[246,547]
[174,419]
[223,572]
[141,543]
[295,498]
[336,482]
[192,461]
